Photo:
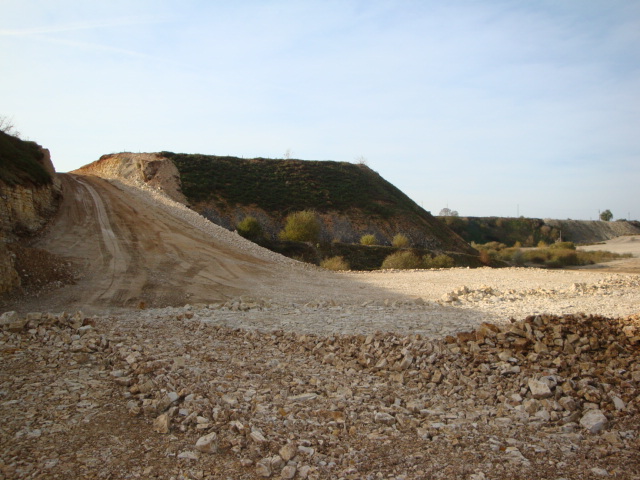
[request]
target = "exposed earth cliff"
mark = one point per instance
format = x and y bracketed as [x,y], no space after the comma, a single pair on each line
[29,196]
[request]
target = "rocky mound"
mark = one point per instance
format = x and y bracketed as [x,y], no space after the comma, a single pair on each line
[150,169]
[546,397]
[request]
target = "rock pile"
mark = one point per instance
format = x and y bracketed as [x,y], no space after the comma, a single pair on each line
[546,397]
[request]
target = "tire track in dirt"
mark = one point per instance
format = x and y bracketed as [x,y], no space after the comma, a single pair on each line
[114,256]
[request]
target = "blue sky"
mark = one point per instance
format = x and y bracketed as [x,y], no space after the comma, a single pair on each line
[489,107]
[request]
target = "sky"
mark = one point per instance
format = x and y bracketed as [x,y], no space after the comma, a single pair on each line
[486,107]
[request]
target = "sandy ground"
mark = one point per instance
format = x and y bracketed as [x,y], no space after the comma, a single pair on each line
[627,244]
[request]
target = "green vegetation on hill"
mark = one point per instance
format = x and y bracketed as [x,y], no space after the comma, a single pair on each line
[284,186]
[528,231]
[20,162]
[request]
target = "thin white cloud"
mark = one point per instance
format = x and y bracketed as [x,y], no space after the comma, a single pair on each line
[89,25]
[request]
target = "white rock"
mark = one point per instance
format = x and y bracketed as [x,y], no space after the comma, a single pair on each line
[618,403]
[384,418]
[539,389]
[208,443]
[263,468]
[257,436]
[188,455]
[594,421]
[9,317]
[161,424]
[303,397]
[288,451]
[288,472]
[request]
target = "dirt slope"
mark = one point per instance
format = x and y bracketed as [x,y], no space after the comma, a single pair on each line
[131,251]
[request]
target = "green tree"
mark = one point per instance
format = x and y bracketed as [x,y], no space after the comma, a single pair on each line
[606,216]
[301,226]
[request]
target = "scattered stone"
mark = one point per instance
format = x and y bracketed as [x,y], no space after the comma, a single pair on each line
[161,424]
[539,389]
[594,421]
[207,443]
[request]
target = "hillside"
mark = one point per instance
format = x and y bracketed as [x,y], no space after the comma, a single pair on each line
[351,199]
[530,231]
[29,197]
[23,162]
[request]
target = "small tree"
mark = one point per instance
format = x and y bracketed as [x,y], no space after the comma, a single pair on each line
[606,216]
[447,212]
[7,126]
[400,241]
[250,229]
[301,227]
[368,239]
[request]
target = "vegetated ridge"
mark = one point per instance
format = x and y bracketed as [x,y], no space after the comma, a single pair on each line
[350,199]
[22,162]
[530,231]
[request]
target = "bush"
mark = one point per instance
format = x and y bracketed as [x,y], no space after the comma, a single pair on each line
[368,240]
[518,257]
[439,261]
[561,257]
[402,260]
[563,245]
[301,227]
[336,263]
[250,229]
[400,241]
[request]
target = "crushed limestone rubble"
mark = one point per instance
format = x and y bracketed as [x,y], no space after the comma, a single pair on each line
[180,397]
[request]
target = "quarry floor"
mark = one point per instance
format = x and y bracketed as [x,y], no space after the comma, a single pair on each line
[176,329]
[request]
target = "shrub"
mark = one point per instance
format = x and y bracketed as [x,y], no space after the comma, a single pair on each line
[518,257]
[400,241]
[250,229]
[336,263]
[563,245]
[368,239]
[439,261]
[561,258]
[402,260]
[301,227]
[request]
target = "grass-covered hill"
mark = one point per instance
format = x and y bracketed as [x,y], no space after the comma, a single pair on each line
[21,162]
[351,199]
